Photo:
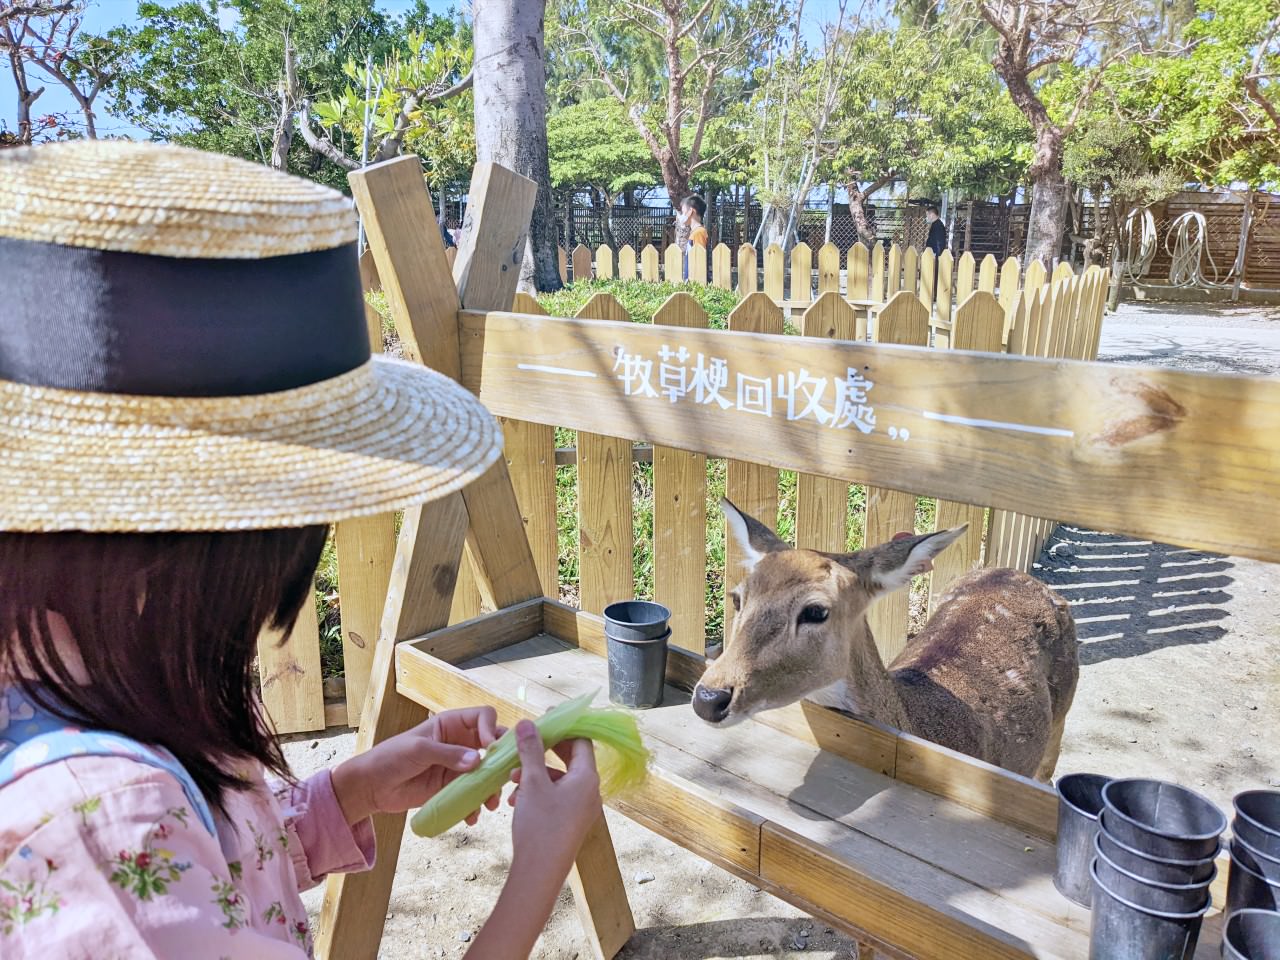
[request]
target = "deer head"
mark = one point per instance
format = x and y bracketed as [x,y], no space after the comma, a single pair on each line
[800,624]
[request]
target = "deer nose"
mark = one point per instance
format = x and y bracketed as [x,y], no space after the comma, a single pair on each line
[711,705]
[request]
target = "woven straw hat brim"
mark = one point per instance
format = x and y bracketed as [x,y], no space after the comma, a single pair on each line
[387,435]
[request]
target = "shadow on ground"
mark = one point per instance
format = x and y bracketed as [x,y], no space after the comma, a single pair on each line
[745,937]
[1130,597]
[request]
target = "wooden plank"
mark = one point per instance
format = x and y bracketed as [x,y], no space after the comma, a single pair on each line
[928,279]
[979,325]
[649,264]
[754,488]
[964,277]
[722,267]
[419,597]
[673,264]
[1063,271]
[476,638]
[291,680]
[680,512]
[987,274]
[876,273]
[698,265]
[366,549]
[946,283]
[828,268]
[894,272]
[599,894]
[1009,274]
[627,263]
[980,786]
[748,281]
[859,276]
[370,283]
[581,263]
[910,269]
[888,512]
[493,236]
[775,270]
[1035,275]
[801,286]
[863,742]
[822,503]
[606,538]
[1193,453]
[604,262]
[564,264]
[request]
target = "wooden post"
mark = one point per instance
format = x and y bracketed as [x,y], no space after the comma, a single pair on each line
[964,277]
[394,203]
[1242,248]
[801,274]
[775,269]
[748,281]
[698,265]
[627,263]
[987,274]
[822,504]
[894,271]
[564,264]
[291,681]
[751,487]
[946,266]
[606,537]
[876,289]
[903,321]
[581,263]
[722,267]
[604,262]
[649,269]
[910,269]
[979,325]
[673,264]
[928,279]
[680,511]
[856,286]
[828,268]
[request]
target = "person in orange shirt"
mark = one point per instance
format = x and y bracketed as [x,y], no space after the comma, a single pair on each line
[692,210]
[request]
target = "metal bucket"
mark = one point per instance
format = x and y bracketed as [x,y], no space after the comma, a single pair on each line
[1161,819]
[1247,888]
[1159,869]
[1257,820]
[1079,803]
[1125,931]
[636,620]
[1252,935]
[637,671]
[1147,894]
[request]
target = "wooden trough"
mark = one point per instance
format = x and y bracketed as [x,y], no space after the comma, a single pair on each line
[912,848]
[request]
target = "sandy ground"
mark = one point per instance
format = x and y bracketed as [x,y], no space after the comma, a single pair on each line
[1180,679]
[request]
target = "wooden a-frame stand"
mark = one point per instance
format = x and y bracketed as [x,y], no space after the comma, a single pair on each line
[484,519]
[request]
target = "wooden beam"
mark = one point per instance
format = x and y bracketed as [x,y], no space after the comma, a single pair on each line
[1181,457]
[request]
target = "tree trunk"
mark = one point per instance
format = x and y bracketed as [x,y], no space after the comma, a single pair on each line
[858,210]
[775,227]
[511,117]
[1048,217]
[676,180]
[606,220]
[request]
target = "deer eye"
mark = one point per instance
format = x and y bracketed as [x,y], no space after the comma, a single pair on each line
[813,614]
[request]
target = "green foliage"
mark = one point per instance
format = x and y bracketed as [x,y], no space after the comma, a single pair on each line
[1110,156]
[641,299]
[594,144]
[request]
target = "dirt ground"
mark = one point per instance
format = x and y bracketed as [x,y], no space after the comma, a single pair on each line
[1180,679]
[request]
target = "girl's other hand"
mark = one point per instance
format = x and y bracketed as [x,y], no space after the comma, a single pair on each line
[407,770]
[553,809]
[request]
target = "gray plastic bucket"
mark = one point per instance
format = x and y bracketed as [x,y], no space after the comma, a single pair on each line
[636,620]
[1252,935]
[1079,803]
[1248,888]
[1257,820]
[1159,869]
[1161,819]
[1125,931]
[1256,860]
[637,671]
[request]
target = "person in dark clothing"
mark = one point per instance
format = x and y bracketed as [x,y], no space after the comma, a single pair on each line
[937,241]
[445,235]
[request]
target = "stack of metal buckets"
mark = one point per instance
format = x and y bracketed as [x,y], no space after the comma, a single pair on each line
[1141,854]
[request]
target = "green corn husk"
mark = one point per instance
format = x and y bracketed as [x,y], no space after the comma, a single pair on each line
[623,762]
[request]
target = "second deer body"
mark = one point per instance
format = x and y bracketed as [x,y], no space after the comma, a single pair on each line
[992,674]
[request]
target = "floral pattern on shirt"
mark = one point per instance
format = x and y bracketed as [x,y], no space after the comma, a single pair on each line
[24,901]
[149,871]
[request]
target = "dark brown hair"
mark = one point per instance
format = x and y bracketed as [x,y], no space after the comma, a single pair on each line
[699,205]
[167,627]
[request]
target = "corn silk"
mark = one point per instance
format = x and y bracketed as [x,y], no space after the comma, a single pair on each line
[621,758]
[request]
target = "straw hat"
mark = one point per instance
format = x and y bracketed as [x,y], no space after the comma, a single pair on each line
[183,347]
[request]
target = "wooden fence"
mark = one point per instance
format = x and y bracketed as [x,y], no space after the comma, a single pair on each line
[1048,317]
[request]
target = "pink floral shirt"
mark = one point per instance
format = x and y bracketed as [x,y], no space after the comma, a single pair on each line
[102,858]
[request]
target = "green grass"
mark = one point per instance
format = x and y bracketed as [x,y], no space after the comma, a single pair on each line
[641,299]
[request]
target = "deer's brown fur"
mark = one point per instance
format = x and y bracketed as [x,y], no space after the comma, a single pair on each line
[992,674]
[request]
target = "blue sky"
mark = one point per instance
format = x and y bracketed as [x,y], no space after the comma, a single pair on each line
[102,15]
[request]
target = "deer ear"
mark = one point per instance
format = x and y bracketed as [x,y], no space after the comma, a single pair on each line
[893,564]
[752,536]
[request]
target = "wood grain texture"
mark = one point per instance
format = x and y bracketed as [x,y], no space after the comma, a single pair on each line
[369,283]
[775,272]
[698,265]
[366,551]
[748,279]
[751,486]
[822,521]
[858,279]
[604,262]
[650,264]
[606,538]
[889,511]
[946,286]
[1123,448]
[290,675]
[680,513]
[581,263]
[627,263]
[928,279]
[563,263]
[964,276]
[600,895]
[828,268]
[910,269]
[801,285]
[987,274]
[876,271]
[487,268]
[979,325]
[722,267]
[893,272]
[463,641]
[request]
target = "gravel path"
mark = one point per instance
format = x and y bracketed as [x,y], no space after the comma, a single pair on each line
[1180,679]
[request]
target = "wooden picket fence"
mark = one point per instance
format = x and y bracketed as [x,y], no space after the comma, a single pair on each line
[1047,317]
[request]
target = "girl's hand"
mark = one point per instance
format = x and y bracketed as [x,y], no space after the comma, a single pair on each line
[553,810]
[405,771]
